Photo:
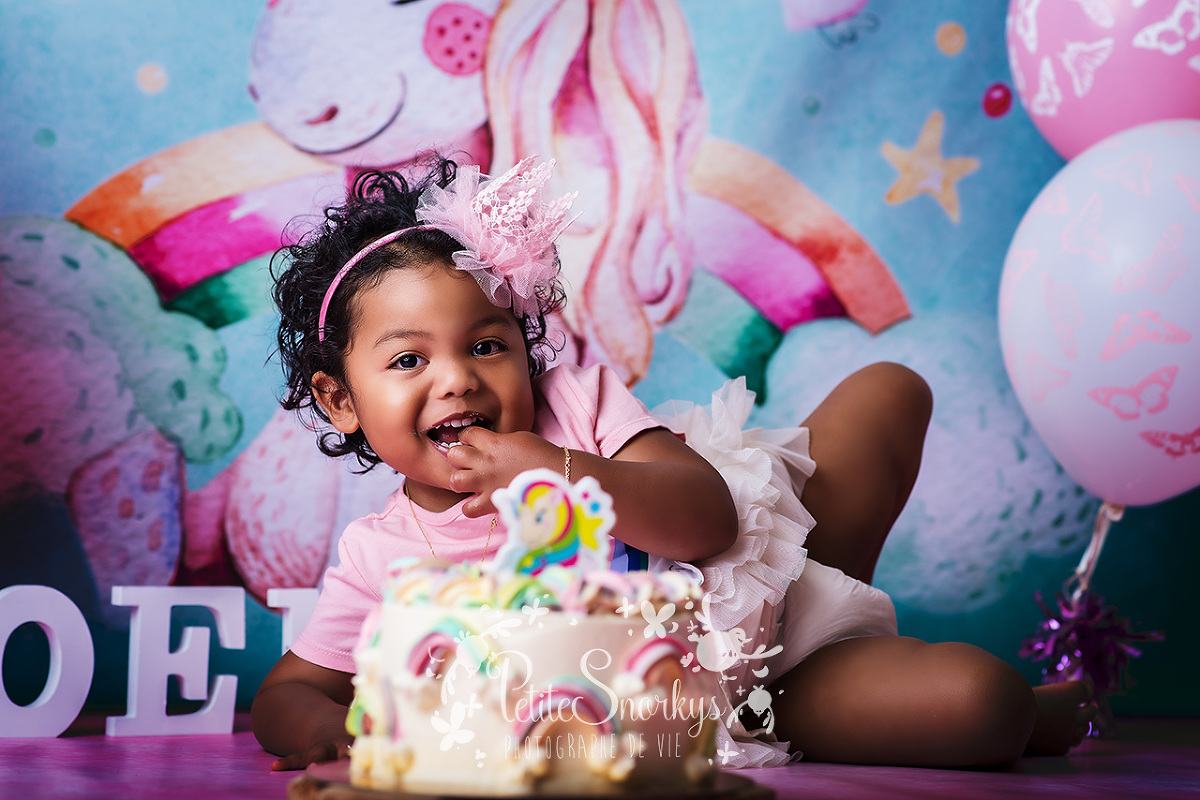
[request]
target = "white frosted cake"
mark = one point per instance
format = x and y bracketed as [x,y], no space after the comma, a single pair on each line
[533,673]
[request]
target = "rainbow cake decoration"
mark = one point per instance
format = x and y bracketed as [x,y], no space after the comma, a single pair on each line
[538,671]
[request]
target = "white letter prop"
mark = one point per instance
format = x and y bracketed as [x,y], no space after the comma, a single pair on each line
[297,605]
[151,661]
[72,661]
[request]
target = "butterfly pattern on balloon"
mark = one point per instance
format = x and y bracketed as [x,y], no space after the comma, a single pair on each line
[1043,376]
[1083,233]
[1130,330]
[1024,21]
[1171,35]
[1132,172]
[1157,272]
[1064,313]
[1149,395]
[1082,59]
[1099,11]
[1048,98]
[1175,445]
[1053,201]
[1020,262]
[1191,188]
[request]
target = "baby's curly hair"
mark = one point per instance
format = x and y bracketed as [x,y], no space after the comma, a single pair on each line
[379,203]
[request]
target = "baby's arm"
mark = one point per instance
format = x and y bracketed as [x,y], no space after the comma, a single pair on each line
[299,713]
[668,500]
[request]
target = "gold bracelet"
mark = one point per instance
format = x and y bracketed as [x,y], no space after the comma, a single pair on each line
[566,463]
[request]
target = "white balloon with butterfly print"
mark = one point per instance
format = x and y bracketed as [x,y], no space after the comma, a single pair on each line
[1099,314]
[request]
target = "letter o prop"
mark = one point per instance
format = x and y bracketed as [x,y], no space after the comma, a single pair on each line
[72,661]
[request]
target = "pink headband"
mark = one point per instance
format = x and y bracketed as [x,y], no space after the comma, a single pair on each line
[387,238]
[507,232]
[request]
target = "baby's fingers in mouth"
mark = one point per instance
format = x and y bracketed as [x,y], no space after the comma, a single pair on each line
[449,434]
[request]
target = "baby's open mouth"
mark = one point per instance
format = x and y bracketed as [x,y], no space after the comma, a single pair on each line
[445,434]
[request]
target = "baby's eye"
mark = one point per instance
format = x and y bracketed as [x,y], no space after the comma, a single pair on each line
[488,347]
[408,361]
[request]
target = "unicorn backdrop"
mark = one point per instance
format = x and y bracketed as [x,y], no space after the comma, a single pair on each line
[783,190]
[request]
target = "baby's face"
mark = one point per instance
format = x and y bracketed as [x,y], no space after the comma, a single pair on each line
[429,355]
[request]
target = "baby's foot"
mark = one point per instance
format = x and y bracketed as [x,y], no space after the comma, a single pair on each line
[1065,712]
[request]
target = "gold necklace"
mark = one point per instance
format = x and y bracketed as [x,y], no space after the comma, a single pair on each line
[412,510]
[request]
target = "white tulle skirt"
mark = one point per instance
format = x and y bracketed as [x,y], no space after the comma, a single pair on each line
[763,595]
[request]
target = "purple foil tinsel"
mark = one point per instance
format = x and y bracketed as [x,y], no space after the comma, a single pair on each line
[1084,639]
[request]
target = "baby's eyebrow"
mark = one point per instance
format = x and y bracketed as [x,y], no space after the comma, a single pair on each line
[400,333]
[492,320]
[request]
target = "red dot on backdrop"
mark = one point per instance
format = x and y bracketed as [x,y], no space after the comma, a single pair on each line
[997,100]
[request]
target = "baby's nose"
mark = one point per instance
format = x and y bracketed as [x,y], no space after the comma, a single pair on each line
[457,377]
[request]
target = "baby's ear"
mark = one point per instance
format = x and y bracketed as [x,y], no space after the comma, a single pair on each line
[335,399]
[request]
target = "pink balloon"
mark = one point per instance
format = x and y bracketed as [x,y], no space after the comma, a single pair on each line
[1087,69]
[1100,314]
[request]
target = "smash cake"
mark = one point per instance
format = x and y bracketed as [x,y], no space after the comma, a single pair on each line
[539,671]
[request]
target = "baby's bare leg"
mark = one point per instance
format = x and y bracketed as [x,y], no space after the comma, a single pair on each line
[893,700]
[866,437]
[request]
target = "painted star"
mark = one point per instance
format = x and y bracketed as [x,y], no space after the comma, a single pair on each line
[923,170]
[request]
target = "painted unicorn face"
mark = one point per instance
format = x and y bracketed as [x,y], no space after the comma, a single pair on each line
[371,82]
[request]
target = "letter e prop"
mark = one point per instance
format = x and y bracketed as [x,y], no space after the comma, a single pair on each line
[72,661]
[151,661]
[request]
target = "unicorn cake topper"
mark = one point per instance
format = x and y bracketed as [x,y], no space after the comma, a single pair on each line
[553,522]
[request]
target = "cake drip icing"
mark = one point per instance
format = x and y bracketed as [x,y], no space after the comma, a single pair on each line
[436,582]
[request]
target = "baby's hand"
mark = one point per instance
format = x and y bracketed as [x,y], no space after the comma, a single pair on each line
[325,751]
[490,461]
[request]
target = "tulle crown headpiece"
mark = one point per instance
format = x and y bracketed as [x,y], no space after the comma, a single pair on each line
[506,229]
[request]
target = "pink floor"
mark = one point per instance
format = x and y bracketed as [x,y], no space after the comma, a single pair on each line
[1146,759]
